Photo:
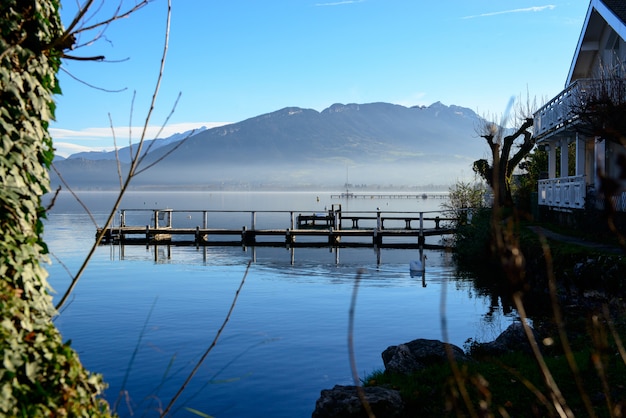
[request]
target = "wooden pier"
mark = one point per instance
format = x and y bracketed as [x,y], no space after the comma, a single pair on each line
[333,228]
[391,196]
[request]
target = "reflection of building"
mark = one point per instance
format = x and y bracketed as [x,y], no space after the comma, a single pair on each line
[600,54]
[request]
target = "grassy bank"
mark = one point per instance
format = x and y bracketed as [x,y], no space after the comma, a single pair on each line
[573,291]
[510,385]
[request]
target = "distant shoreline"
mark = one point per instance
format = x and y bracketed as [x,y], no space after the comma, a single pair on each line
[269,188]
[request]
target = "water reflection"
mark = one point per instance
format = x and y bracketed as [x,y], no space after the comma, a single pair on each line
[286,339]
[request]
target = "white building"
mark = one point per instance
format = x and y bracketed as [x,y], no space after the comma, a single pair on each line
[601,50]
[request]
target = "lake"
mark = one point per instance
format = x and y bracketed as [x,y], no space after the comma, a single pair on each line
[144,321]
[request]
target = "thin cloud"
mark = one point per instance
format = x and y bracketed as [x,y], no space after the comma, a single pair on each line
[339,3]
[121,132]
[524,10]
[68,141]
[65,149]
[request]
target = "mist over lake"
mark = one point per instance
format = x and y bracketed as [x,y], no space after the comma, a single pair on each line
[287,337]
[377,144]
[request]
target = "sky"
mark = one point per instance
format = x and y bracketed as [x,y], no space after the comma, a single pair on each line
[228,61]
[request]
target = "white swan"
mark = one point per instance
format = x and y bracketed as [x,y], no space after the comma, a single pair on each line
[418,265]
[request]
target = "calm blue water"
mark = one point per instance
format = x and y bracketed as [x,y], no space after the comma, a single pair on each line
[287,337]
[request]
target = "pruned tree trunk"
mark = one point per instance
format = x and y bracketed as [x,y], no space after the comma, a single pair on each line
[499,172]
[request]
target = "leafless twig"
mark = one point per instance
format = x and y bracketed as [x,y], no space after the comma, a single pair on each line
[131,171]
[351,353]
[80,202]
[208,350]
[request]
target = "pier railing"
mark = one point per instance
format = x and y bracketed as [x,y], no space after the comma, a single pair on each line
[334,226]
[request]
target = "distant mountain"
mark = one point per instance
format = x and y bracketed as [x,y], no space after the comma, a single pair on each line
[376,143]
[125,154]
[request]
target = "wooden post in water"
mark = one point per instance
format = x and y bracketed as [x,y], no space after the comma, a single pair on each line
[333,238]
[248,237]
[205,220]
[289,237]
[253,221]
[421,240]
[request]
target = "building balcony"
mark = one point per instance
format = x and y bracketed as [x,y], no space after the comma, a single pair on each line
[564,192]
[557,114]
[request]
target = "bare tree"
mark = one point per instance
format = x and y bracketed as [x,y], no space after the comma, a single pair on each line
[507,149]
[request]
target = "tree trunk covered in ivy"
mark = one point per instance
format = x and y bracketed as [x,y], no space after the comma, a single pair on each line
[39,375]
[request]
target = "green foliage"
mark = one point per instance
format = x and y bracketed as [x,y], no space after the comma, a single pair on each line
[40,375]
[473,229]
[473,242]
[464,199]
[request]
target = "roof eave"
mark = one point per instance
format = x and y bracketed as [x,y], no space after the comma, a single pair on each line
[610,18]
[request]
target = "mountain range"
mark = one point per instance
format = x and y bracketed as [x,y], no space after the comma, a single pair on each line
[374,144]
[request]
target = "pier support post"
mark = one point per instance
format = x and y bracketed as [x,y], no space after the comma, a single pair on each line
[377,239]
[421,239]
[247,237]
[289,237]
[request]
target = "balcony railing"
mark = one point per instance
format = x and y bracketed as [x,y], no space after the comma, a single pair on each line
[557,113]
[564,192]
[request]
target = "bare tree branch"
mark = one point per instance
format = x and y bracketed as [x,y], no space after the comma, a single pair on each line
[97,58]
[68,38]
[117,155]
[355,374]
[91,85]
[208,350]
[131,172]
[67,186]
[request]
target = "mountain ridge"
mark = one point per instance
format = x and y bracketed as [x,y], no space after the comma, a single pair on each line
[380,143]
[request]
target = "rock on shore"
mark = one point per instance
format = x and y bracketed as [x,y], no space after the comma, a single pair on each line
[344,401]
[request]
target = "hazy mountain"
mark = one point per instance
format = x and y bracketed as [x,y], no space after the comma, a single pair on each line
[376,143]
[125,154]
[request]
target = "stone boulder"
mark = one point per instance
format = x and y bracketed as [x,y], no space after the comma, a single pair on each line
[418,354]
[344,402]
[511,339]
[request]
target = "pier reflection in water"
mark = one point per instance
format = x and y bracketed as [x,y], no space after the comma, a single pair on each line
[287,337]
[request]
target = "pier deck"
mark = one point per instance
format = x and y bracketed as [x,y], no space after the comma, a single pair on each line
[331,228]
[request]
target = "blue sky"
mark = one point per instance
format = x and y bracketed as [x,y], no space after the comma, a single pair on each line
[236,59]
